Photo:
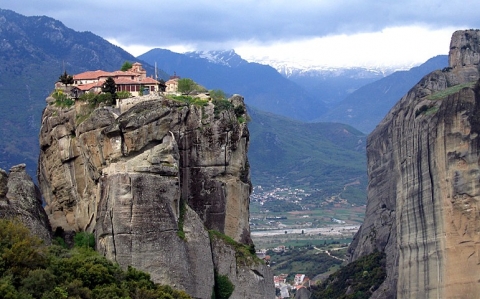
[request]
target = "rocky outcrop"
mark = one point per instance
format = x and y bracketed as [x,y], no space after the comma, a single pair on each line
[247,273]
[150,183]
[20,199]
[424,184]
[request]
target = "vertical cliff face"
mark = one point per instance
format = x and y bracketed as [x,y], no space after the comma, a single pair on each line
[424,188]
[20,199]
[149,183]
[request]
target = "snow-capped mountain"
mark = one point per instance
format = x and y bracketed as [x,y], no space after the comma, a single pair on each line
[327,84]
[227,58]
[330,84]
[298,65]
[294,68]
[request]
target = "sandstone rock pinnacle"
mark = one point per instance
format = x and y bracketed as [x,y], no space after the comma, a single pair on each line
[150,182]
[423,187]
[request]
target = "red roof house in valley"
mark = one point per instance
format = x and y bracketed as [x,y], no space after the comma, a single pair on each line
[133,80]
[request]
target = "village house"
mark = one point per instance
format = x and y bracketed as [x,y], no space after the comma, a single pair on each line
[299,279]
[172,84]
[279,280]
[134,80]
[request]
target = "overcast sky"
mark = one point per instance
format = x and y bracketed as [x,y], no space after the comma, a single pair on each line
[310,32]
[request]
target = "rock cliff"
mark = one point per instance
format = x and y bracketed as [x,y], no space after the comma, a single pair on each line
[424,187]
[150,182]
[20,199]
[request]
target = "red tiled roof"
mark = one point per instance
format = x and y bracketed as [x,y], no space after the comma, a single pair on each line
[91,75]
[123,81]
[94,75]
[122,73]
[120,77]
[149,80]
[86,87]
[171,81]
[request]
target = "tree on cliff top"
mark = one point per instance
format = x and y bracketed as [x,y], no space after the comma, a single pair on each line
[126,66]
[109,86]
[186,85]
[66,78]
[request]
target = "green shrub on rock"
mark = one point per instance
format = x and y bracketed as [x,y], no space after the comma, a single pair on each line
[30,270]
[223,288]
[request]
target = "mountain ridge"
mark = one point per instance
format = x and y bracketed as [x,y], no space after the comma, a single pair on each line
[377,98]
[262,86]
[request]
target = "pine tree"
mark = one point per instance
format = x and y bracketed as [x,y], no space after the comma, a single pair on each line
[110,87]
[66,79]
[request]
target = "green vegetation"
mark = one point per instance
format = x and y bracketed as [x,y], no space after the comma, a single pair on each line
[84,111]
[244,254]
[223,287]
[123,94]
[426,110]
[181,217]
[187,85]
[239,110]
[440,95]
[142,89]
[221,105]
[217,94]
[61,99]
[278,206]
[84,239]
[66,79]
[126,66]
[31,270]
[109,87]
[360,277]
[326,160]
[189,100]
[103,98]
[96,99]
[299,241]
[87,97]
[310,262]
[451,90]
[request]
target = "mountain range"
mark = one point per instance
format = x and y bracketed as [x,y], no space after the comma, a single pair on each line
[261,85]
[332,85]
[365,108]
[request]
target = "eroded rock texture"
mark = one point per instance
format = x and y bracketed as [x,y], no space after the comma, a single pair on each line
[20,199]
[126,176]
[424,187]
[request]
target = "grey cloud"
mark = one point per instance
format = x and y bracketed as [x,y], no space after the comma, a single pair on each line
[200,22]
